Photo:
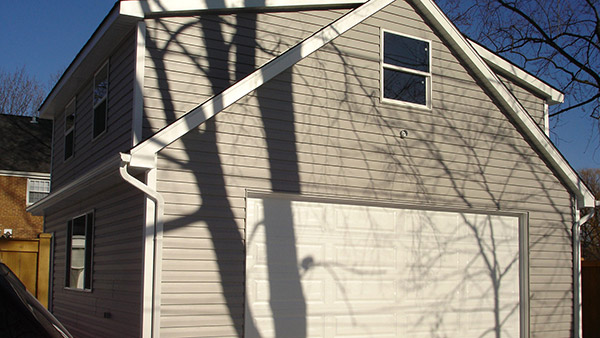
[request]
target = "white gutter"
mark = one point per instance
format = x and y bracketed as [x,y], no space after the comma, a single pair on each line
[152,260]
[577,309]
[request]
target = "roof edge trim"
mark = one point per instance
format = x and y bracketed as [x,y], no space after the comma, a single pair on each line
[108,167]
[529,81]
[158,7]
[508,101]
[28,174]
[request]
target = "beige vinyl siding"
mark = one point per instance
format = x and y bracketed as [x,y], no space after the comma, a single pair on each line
[330,136]
[117,265]
[533,104]
[176,58]
[87,152]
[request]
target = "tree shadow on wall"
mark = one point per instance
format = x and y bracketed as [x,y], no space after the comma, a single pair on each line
[442,162]
[213,208]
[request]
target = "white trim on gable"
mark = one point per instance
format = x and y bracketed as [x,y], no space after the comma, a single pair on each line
[124,14]
[552,96]
[143,154]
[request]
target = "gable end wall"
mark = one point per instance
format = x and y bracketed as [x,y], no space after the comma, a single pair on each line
[320,129]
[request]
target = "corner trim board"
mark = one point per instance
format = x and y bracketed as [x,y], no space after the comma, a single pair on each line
[138,84]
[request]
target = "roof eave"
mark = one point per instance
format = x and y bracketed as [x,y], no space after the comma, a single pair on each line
[520,76]
[91,181]
[174,7]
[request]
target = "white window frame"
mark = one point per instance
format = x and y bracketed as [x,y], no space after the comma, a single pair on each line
[104,99]
[383,65]
[73,103]
[87,270]
[30,187]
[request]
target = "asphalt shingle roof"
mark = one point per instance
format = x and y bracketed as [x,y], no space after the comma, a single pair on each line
[25,145]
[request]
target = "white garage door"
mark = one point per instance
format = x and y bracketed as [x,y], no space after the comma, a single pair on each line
[340,270]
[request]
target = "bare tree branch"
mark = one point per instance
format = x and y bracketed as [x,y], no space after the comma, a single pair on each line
[20,93]
[553,39]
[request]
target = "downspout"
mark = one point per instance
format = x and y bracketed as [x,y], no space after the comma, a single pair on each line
[156,231]
[576,231]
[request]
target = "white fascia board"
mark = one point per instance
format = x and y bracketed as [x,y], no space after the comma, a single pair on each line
[518,75]
[161,7]
[143,155]
[507,100]
[27,174]
[108,167]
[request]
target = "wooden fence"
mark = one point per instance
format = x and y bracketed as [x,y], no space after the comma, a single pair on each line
[30,261]
[590,289]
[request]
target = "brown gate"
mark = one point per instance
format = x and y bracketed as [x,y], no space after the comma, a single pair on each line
[29,259]
[590,289]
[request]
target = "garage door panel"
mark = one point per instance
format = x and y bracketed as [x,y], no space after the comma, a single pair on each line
[374,221]
[379,272]
[365,325]
[439,224]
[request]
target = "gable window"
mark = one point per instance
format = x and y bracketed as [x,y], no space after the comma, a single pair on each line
[37,189]
[80,231]
[69,129]
[100,100]
[406,70]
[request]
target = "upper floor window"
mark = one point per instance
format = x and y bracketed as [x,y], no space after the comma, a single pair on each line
[37,189]
[406,70]
[80,231]
[100,100]
[69,129]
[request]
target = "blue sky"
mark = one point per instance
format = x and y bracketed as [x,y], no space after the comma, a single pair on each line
[44,36]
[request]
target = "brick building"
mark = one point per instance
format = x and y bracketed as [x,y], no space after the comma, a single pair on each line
[24,173]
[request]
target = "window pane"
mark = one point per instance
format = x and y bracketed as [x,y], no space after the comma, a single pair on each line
[404,86]
[69,145]
[36,196]
[70,115]
[78,253]
[101,84]
[89,231]
[405,52]
[100,118]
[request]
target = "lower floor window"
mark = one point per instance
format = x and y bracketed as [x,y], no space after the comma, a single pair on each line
[79,252]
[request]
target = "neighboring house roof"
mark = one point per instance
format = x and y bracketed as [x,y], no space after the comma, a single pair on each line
[25,144]
[126,13]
